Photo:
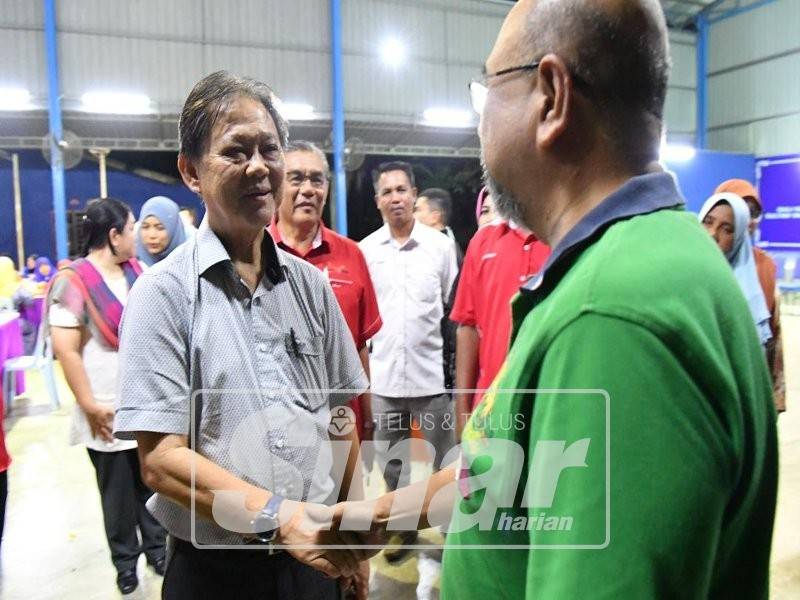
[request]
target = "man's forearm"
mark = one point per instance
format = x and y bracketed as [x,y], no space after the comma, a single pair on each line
[167,464]
[467,347]
[438,492]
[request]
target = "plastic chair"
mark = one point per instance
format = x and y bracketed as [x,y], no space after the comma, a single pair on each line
[41,359]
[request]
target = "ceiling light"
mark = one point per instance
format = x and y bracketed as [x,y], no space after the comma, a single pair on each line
[15,99]
[116,103]
[393,52]
[294,111]
[447,117]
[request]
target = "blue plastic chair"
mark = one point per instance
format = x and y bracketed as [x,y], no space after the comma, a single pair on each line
[41,360]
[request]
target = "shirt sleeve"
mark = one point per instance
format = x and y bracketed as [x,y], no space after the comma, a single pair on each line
[345,373]
[154,389]
[370,320]
[670,467]
[463,311]
[449,271]
[58,316]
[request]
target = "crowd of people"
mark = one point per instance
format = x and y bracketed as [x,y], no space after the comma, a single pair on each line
[210,365]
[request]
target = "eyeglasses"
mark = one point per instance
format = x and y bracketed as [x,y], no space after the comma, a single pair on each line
[479,90]
[316,179]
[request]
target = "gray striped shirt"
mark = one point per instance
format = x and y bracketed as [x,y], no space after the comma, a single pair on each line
[193,331]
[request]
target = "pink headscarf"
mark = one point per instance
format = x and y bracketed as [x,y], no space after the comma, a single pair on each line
[481,199]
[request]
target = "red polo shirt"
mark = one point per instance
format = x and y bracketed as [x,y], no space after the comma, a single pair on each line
[499,259]
[343,263]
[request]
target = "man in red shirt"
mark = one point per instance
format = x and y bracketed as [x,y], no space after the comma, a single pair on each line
[298,229]
[500,258]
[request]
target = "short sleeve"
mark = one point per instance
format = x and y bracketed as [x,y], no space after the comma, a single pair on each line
[154,387]
[65,304]
[370,320]
[58,316]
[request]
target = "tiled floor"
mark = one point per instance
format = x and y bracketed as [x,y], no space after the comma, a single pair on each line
[54,547]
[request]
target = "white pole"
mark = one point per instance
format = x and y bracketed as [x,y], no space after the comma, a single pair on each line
[18,211]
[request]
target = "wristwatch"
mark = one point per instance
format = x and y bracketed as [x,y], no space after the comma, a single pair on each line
[266,524]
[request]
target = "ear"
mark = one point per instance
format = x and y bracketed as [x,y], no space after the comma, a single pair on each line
[414,193]
[554,100]
[188,173]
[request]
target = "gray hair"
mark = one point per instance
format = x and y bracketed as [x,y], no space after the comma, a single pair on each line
[621,53]
[209,97]
[306,146]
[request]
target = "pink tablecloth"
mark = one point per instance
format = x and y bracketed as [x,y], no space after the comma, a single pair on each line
[10,346]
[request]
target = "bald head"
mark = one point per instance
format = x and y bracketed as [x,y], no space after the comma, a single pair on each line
[618,54]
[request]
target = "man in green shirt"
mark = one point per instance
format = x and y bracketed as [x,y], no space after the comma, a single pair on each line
[627,449]
[662,482]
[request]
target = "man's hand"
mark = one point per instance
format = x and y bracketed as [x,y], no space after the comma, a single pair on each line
[101,419]
[357,586]
[306,530]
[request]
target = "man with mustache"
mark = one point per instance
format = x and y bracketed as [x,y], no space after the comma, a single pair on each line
[634,364]
[413,268]
[298,229]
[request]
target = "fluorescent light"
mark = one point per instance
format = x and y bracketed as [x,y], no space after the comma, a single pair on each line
[116,103]
[447,117]
[677,153]
[393,52]
[294,111]
[15,99]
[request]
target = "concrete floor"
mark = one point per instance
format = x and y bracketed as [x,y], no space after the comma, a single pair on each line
[54,546]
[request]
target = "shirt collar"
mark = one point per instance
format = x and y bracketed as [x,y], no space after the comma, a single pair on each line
[386,235]
[210,252]
[638,196]
[322,237]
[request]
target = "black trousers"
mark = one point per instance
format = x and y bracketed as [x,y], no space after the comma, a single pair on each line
[197,574]
[123,495]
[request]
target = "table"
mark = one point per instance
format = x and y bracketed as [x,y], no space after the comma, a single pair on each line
[10,346]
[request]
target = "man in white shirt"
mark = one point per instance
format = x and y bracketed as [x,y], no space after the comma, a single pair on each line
[413,267]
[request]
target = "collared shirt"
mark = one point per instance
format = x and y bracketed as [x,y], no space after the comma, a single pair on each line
[343,264]
[192,330]
[500,258]
[412,282]
[638,302]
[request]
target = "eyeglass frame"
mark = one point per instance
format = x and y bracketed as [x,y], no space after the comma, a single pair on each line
[307,177]
[484,79]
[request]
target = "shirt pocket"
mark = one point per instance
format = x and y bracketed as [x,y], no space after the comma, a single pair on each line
[306,355]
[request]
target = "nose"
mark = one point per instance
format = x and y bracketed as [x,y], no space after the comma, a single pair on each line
[257,166]
[306,189]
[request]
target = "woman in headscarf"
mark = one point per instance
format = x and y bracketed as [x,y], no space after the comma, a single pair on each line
[43,270]
[84,310]
[726,217]
[10,280]
[161,230]
[484,209]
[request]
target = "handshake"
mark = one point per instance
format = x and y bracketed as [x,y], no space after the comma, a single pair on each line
[338,539]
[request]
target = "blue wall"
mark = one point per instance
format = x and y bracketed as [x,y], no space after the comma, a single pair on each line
[699,177]
[82,184]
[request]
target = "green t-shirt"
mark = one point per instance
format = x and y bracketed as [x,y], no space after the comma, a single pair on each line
[677,495]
